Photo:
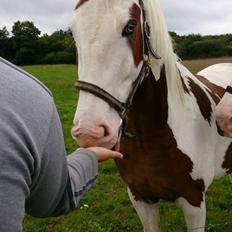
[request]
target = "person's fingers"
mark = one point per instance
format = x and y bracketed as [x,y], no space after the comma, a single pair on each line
[117,155]
[105,154]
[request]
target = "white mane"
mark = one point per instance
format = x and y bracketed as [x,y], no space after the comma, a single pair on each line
[162,44]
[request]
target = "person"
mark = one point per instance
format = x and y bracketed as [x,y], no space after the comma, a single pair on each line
[36,176]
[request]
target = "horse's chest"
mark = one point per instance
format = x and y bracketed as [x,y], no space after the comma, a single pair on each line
[154,168]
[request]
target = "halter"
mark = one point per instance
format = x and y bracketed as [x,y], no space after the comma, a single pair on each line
[229,89]
[123,107]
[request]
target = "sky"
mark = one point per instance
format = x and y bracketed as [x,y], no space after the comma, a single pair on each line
[182,16]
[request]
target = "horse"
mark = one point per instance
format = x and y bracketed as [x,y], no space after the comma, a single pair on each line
[223,113]
[135,95]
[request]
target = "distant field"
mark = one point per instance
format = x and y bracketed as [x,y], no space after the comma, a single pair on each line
[196,65]
[108,207]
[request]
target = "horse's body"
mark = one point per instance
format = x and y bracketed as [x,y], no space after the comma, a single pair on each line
[177,151]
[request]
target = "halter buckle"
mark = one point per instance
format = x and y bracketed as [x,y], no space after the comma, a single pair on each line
[126,134]
[149,60]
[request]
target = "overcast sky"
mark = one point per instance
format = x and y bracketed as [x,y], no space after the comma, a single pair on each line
[183,16]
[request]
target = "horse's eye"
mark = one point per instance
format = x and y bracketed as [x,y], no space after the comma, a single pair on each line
[129,28]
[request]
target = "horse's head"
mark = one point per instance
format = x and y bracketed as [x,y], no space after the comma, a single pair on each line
[223,113]
[111,39]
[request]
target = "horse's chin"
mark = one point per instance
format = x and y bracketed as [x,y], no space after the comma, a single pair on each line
[85,142]
[116,147]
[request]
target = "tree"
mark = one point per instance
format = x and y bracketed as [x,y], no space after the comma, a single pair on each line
[25,30]
[4,42]
[58,48]
[26,42]
[4,33]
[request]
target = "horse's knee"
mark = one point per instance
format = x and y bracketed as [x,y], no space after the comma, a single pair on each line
[194,216]
[148,214]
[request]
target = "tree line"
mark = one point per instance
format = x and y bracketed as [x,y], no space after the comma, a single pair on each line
[195,46]
[25,45]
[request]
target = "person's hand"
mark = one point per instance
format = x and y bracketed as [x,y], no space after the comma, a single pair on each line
[103,154]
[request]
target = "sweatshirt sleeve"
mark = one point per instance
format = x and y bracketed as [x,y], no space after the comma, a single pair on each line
[82,166]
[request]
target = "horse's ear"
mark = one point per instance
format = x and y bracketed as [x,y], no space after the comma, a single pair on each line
[79,3]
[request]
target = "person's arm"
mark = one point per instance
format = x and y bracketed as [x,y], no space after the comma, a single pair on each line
[46,184]
[64,181]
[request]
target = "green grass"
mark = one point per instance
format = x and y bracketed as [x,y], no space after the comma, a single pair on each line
[109,209]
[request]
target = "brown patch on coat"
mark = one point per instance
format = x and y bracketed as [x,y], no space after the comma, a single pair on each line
[136,39]
[216,92]
[227,164]
[202,100]
[154,167]
[186,90]
[80,3]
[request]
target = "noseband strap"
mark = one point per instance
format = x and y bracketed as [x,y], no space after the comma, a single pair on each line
[121,107]
[229,89]
[101,93]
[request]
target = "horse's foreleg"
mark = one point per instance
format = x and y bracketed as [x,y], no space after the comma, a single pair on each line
[194,216]
[148,214]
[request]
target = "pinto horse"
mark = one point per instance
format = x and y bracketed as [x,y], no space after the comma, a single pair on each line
[223,112]
[134,92]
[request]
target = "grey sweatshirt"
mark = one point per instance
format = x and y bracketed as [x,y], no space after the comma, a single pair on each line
[35,175]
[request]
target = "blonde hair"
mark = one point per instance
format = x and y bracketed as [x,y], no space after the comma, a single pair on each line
[162,44]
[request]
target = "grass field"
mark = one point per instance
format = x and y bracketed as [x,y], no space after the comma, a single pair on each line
[108,207]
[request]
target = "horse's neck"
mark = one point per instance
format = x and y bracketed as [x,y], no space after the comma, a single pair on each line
[149,111]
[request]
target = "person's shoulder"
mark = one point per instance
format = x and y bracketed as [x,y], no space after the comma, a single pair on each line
[10,70]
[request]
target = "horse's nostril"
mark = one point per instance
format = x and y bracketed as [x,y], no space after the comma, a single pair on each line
[106,130]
